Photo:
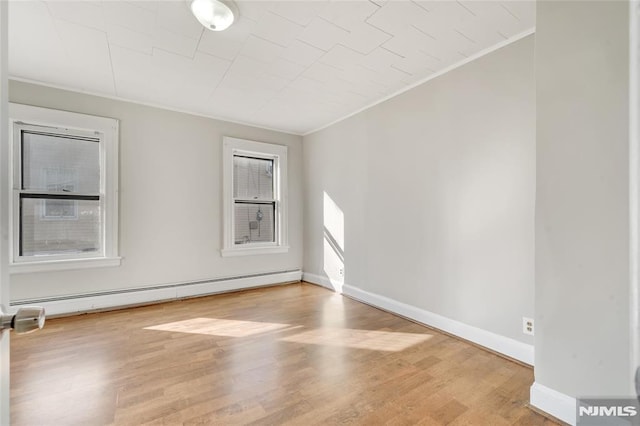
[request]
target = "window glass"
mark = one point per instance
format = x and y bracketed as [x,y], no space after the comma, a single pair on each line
[252,178]
[254,222]
[53,226]
[60,163]
[60,209]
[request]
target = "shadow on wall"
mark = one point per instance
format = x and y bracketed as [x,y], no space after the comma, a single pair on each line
[333,255]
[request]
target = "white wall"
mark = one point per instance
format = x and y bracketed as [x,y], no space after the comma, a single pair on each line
[170,199]
[435,189]
[582,210]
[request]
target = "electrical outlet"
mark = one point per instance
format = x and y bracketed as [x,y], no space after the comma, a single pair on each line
[341,272]
[527,326]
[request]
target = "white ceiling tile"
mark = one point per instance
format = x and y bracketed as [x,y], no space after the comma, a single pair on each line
[279,113]
[466,35]
[253,9]
[380,59]
[285,69]
[490,24]
[210,64]
[277,29]
[267,82]
[151,6]
[293,96]
[348,14]
[174,43]
[379,2]
[248,74]
[364,37]
[134,74]
[417,64]
[124,37]
[444,17]
[523,14]
[323,34]
[302,53]
[226,44]
[487,9]
[525,10]
[167,77]
[448,46]
[364,77]
[341,57]
[129,16]
[306,85]
[35,51]
[299,12]
[483,35]
[244,66]
[230,102]
[408,41]
[480,8]
[345,89]
[307,94]
[261,49]
[370,90]
[90,60]
[462,43]
[321,72]
[396,16]
[306,98]
[176,17]
[87,13]
[467,4]
[389,77]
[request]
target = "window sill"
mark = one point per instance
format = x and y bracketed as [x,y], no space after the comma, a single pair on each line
[62,265]
[250,251]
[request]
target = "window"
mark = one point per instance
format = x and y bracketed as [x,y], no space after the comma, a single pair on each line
[64,182]
[255,194]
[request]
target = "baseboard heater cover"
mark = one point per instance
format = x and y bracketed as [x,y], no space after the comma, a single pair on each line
[86,302]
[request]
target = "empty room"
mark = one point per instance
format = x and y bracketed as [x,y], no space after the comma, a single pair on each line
[316,212]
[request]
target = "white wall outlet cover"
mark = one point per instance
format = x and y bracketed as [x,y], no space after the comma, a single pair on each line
[527,326]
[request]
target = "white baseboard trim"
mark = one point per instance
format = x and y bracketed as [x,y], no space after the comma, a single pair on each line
[73,304]
[559,405]
[512,348]
[322,281]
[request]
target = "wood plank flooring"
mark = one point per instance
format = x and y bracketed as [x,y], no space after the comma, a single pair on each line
[295,354]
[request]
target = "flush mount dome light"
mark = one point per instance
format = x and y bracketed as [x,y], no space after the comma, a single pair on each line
[212,14]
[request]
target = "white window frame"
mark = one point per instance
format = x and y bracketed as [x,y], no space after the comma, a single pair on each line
[64,122]
[278,153]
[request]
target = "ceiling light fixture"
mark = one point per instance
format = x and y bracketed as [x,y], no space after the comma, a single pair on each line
[214,15]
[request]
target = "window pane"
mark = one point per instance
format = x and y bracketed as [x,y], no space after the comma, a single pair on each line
[60,209]
[60,163]
[51,227]
[252,178]
[254,223]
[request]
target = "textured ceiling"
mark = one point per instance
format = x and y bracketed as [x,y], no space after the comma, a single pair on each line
[289,65]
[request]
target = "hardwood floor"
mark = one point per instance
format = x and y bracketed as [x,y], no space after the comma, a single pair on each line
[295,354]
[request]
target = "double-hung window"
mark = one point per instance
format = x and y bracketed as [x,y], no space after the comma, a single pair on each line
[255,194]
[64,182]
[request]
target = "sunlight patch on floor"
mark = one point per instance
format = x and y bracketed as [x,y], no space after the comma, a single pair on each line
[219,327]
[359,339]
